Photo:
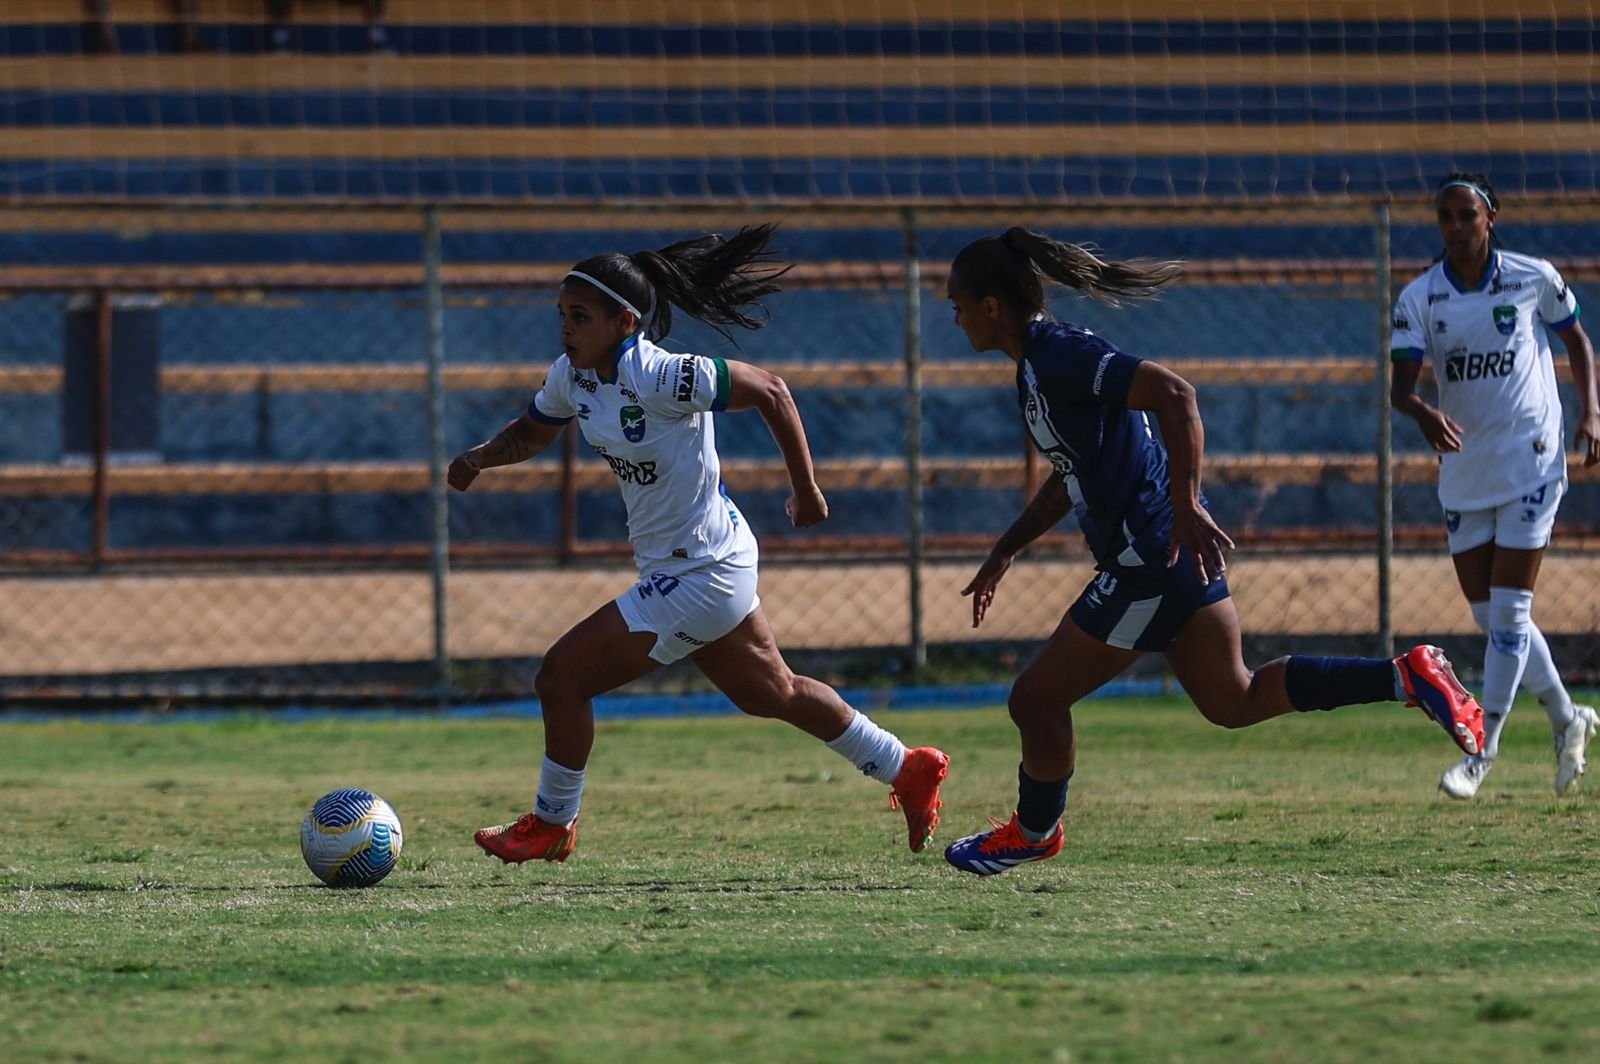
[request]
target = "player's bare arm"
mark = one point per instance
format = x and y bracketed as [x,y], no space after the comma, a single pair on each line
[1580,354]
[753,388]
[1050,504]
[1442,433]
[517,442]
[1172,400]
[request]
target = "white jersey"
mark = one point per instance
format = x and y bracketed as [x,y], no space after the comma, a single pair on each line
[1490,354]
[651,421]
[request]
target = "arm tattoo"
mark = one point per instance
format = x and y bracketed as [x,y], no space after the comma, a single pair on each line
[509,447]
[1046,510]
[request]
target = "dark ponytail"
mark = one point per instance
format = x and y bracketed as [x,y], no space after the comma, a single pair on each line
[712,279]
[1012,268]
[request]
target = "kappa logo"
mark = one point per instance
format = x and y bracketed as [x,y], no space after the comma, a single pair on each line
[685,386]
[1505,319]
[632,418]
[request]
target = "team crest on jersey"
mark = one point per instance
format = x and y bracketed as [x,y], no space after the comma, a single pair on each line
[632,423]
[1505,319]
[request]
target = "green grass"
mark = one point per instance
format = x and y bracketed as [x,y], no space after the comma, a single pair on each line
[1293,892]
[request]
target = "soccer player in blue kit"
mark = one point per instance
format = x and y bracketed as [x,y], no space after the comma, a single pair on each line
[1159,585]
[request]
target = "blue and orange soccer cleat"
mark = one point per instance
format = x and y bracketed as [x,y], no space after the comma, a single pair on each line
[1431,685]
[1003,847]
[528,838]
[916,791]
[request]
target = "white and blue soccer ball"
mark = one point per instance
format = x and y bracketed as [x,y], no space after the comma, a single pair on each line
[351,838]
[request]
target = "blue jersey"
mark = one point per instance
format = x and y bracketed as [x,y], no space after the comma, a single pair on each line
[1071,387]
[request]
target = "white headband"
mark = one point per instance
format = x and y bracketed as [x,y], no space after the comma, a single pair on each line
[608,290]
[1468,184]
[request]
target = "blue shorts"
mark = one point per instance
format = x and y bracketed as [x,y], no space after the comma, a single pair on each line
[1146,607]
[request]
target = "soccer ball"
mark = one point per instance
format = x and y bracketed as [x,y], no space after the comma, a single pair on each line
[351,838]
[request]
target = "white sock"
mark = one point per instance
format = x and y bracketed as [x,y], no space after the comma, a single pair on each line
[1542,680]
[560,793]
[1504,658]
[1539,676]
[876,752]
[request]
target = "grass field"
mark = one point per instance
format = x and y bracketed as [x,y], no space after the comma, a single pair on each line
[1294,892]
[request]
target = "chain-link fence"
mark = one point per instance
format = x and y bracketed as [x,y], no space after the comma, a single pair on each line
[222,433]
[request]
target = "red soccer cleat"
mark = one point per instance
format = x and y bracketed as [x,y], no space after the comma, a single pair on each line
[528,838]
[916,791]
[1431,685]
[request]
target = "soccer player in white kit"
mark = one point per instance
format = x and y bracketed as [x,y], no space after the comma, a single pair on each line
[649,413]
[1479,317]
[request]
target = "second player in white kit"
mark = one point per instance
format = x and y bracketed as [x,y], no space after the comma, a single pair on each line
[1481,318]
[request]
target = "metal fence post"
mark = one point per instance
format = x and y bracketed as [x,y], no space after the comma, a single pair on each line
[914,527]
[1385,448]
[439,503]
[100,531]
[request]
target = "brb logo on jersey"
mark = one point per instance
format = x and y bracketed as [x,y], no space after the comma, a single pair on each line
[632,423]
[1478,365]
[1505,319]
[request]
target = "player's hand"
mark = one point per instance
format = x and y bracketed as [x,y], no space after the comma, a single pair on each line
[1587,440]
[463,471]
[1442,433]
[807,508]
[1194,530]
[982,586]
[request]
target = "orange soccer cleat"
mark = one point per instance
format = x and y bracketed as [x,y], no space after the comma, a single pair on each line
[916,791]
[528,838]
[1431,685]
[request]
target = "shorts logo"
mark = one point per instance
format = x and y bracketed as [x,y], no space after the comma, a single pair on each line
[691,640]
[1438,327]
[1104,584]
[1505,319]
[632,418]
[684,390]
[1452,520]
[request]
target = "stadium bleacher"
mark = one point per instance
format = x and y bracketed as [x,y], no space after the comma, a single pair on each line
[1252,139]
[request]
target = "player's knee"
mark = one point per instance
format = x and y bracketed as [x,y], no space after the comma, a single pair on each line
[769,697]
[1030,704]
[555,683]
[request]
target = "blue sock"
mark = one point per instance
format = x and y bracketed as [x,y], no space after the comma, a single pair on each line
[1328,683]
[1040,805]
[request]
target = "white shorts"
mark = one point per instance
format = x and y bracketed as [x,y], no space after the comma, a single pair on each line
[1523,524]
[688,610]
